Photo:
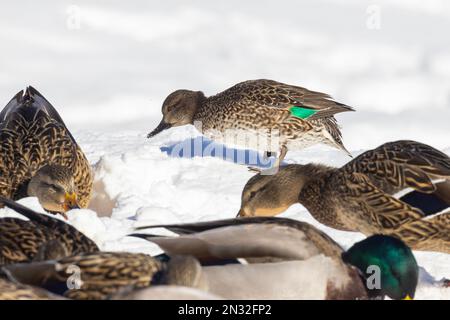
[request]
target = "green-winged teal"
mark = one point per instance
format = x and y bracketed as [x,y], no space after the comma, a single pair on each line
[40,238]
[289,259]
[39,156]
[264,115]
[374,193]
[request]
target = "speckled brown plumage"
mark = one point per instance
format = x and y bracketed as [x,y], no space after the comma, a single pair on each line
[32,135]
[257,114]
[428,234]
[102,274]
[360,196]
[361,193]
[264,104]
[16,291]
[21,240]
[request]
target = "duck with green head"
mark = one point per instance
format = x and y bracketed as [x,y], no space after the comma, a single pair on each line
[289,259]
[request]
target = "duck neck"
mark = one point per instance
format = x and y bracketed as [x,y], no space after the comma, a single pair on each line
[199,101]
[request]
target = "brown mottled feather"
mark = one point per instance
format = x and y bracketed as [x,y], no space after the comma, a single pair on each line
[428,234]
[359,196]
[264,104]
[32,135]
[15,291]
[102,274]
[397,165]
[21,240]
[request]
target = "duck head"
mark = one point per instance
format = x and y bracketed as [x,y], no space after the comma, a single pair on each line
[269,195]
[178,110]
[389,259]
[54,186]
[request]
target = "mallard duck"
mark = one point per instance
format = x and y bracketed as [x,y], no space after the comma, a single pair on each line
[40,157]
[289,259]
[102,275]
[16,291]
[264,115]
[40,238]
[367,194]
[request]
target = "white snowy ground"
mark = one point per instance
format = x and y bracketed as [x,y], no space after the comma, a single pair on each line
[137,182]
[107,66]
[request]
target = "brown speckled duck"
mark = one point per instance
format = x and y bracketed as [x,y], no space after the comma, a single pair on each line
[388,190]
[101,275]
[264,115]
[39,156]
[40,238]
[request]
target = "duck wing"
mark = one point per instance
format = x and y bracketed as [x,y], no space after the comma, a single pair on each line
[301,102]
[75,241]
[15,291]
[29,104]
[20,240]
[261,237]
[397,165]
[88,276]
[367,208]
[428,234]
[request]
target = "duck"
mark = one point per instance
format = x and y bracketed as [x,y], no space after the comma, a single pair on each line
[376,192]
[16,291]
[103,275]
[288,259]
[265,115]
[39,157]
[40,238]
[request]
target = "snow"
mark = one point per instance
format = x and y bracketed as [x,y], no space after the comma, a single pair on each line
[107,67]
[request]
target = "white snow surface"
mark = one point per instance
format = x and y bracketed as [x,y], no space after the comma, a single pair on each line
[107,66]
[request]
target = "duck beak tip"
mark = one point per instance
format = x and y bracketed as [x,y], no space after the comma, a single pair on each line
[161,127]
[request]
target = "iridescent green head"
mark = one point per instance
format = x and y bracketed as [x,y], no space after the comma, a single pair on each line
[388,265]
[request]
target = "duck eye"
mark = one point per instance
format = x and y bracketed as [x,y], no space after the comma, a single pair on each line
[252,195]
[54,187]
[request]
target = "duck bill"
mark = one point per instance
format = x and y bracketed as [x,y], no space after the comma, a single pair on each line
[161,127]
[70,202]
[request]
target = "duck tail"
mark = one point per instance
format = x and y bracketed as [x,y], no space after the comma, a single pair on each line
[333,134]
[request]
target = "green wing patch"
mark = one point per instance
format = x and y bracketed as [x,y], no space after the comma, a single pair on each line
[302,113]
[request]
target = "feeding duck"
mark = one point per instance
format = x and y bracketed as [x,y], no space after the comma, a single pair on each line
[40,238]
[386,190]
[40,157]
[289,259]
[264,115]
